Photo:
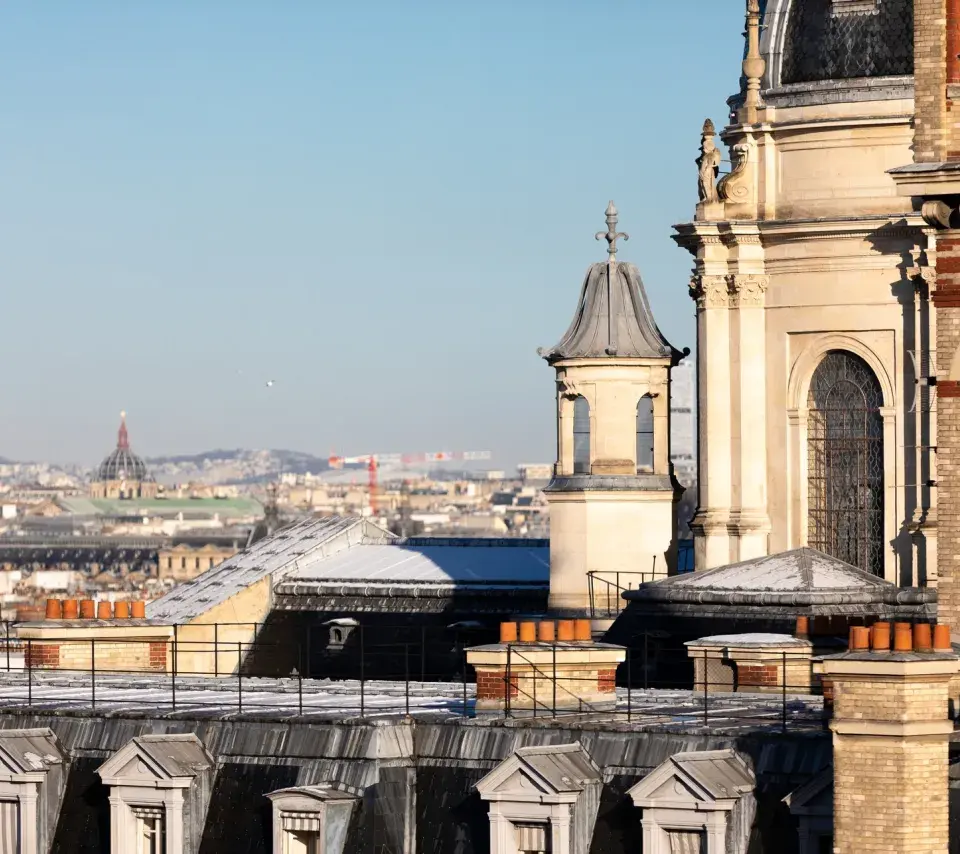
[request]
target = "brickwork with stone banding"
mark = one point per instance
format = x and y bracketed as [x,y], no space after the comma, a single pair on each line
[946,299]
[42,655]
[491,685]
[902,700]
[121,655]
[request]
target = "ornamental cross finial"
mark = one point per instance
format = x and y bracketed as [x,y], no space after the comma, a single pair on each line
[611,235]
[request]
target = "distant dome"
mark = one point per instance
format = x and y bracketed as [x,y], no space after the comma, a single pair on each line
[825,40]
[122,463]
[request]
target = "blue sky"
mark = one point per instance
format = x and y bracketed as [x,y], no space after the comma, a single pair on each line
[384,207]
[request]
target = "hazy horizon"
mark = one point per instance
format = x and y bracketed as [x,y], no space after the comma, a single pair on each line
[385,214]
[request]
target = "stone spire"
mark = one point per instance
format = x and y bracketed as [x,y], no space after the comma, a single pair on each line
[123,440]
[613,317]
[754,65]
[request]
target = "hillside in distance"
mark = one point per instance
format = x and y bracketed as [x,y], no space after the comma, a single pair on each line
[237,465]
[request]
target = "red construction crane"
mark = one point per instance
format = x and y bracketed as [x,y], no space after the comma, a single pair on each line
[374,461]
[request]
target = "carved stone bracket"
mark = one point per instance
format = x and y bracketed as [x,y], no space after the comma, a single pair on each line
[568,389]
[938,214]
[747,291]
[737,185]
[710,291]
[924,269]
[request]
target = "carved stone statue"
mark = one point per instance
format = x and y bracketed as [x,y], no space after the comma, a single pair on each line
[736,186]
[708,164]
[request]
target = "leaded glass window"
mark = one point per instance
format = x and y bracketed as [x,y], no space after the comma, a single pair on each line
[581,436]
[845,462]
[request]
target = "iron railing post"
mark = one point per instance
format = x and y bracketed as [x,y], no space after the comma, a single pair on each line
[423,653]
[239,677]
[362,673]
[554,679]
[93,673]
[463,668]
[508,687]
[705,717]
[29,672]
[629,684]
[299,693]
[646,659]
[174,649]
[7,624]
[173,673]
[784,694]
[216,656]
[406,678]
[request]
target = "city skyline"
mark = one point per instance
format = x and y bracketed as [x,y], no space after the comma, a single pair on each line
[195,207]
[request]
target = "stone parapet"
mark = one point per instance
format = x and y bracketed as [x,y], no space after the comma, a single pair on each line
[758,663]
[540,678]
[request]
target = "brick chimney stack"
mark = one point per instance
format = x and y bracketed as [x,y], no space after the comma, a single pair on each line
[891,732]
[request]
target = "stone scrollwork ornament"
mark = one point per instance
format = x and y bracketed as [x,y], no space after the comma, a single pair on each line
[735,187]
[708,164]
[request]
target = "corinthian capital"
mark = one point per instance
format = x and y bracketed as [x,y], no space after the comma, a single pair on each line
[710,291]
[746,291]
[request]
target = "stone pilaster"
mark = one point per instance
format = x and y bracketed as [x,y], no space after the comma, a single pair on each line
[715,472]
[890,751]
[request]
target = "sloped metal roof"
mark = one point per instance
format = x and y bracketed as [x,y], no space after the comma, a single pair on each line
[289,548]
[566,767]
[179,755]
[613,319]
[722,773]
[464,563]
[802,576]
[29,751]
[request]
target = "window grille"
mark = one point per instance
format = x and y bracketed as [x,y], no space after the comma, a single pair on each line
[686,842]
[533,838]
[845,462]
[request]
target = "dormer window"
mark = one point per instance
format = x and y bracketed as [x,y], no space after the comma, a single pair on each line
[312,819]
[543,800]
[153,784]
[31,763]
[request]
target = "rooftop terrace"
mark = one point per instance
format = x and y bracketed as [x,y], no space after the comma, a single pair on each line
[330,701]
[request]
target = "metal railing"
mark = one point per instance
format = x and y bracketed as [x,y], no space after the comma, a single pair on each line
[654,684]
[607,588]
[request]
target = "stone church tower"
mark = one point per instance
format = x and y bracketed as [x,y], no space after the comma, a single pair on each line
[814,326]
[613,497]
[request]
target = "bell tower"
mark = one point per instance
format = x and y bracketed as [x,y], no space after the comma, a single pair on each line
[613,497]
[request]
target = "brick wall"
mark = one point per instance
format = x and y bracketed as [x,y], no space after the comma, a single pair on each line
[930,74]
[491,684]
[890,795]
[606,681]
[130,656]
[901,700]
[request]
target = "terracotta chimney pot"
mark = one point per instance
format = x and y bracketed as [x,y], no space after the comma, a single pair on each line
[528,632]
[581,630]
[941,638]
[923,637]
[565,630]
[121,610]
[54,609]
[88,609]
[508,633]
[859,638]
[138,610]
[71,609]
[104,610]
[547,631]
[880,636]
[902,637]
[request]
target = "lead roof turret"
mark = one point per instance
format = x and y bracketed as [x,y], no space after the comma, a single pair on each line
[613,318]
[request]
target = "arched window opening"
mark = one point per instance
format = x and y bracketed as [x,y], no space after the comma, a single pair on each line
[645,434]
[845,461]
[581,436]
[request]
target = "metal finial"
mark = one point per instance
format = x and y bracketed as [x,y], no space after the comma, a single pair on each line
[611,235]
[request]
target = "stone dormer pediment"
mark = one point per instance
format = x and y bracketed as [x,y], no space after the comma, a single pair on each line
[557,773]
[27,754]
[707,779]
[161,761]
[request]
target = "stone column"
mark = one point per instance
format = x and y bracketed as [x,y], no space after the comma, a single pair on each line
[890,751]
[712,544]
